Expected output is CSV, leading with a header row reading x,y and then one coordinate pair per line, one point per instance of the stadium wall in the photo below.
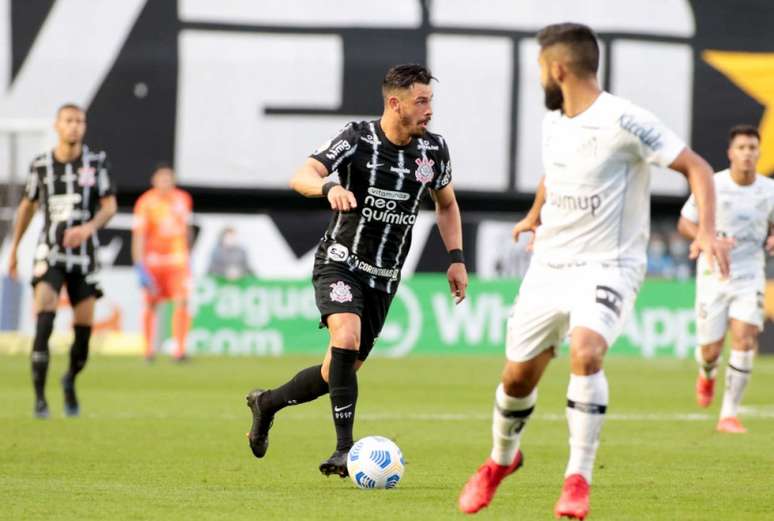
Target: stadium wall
x,y
267,308
238,93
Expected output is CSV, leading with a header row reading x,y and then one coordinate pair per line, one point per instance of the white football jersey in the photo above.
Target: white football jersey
x,y
597,180
743,213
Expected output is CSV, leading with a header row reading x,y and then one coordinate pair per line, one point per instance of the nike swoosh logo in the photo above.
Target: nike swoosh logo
x,y
371,165
339,409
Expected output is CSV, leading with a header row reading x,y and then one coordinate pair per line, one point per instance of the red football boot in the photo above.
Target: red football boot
x,y
480,488
705,391
574,501
731,425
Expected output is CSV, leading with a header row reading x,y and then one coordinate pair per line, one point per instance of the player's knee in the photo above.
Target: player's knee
x,y
345,338
46,301
586,358
745,342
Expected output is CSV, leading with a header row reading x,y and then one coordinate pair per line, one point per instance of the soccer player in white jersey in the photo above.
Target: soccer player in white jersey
x,y
591,217
745,213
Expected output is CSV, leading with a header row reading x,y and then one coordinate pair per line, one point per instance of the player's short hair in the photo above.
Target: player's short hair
x,y
580,41
743,130
161,165
404,76
67,106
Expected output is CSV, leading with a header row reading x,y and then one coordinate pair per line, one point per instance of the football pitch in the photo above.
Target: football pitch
x,y
168,442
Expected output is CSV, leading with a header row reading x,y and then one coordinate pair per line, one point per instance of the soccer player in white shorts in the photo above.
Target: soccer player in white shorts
x,y
591,216
745,213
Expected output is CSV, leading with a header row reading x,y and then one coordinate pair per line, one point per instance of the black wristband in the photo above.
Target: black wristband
x,y
456,256
327,187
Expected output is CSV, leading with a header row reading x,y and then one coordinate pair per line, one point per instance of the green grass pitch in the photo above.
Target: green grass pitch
x,y
168,442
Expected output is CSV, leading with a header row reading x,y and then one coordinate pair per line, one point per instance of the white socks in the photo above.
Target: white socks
x,y
737,375
706,369
508,419
587,398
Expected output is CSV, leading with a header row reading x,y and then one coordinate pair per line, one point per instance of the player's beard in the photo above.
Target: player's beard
x,y
553,97
413,126
417,131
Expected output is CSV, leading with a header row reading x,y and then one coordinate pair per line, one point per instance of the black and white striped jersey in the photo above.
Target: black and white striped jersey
x,y
389,182
68,195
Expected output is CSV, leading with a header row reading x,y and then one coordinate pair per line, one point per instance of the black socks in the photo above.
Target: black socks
x,y
342,381
39,356
306,386
79,352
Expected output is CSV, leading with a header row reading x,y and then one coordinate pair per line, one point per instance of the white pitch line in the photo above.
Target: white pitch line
x,y
758,412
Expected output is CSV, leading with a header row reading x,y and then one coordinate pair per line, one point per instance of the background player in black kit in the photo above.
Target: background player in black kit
x,y
386,167
71,184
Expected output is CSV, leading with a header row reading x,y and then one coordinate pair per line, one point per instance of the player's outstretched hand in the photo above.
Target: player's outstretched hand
x,y
770,244
528,224
458,281
73,237
341,199
715,250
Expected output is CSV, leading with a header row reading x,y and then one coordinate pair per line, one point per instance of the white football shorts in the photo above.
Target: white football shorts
x,y
719,300
555,299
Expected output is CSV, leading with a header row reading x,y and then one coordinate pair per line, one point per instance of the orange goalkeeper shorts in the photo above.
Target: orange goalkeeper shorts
x,y
170,283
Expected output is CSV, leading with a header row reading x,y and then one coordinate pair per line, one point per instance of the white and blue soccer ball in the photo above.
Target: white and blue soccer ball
x,y
375,462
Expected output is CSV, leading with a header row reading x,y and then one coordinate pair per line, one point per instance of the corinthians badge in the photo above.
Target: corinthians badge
x,y
424,171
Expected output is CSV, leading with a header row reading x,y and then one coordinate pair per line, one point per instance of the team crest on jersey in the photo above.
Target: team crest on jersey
x,y
87,176
341,292
424,171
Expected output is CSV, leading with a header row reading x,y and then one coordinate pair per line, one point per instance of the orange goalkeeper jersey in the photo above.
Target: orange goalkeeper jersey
x,y
163,220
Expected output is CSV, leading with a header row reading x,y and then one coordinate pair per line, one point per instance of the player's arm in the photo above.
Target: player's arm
x,y
531,221
450,227
189,224
688,223
310,181
769,245
24,215
138,244
700,178
687,229
74,236
139,230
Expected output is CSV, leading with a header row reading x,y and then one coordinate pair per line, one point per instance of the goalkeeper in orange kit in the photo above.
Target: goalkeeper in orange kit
x,y
160,252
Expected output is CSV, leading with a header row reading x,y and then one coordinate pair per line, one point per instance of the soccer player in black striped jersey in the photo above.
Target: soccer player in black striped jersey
x,y
71,184
385,166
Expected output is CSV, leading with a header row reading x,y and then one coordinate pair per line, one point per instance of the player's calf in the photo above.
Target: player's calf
x,y
509,418
305,386
79,354
738,373
39,359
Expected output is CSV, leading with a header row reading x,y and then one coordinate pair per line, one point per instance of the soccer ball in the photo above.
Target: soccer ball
x,y
375,462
